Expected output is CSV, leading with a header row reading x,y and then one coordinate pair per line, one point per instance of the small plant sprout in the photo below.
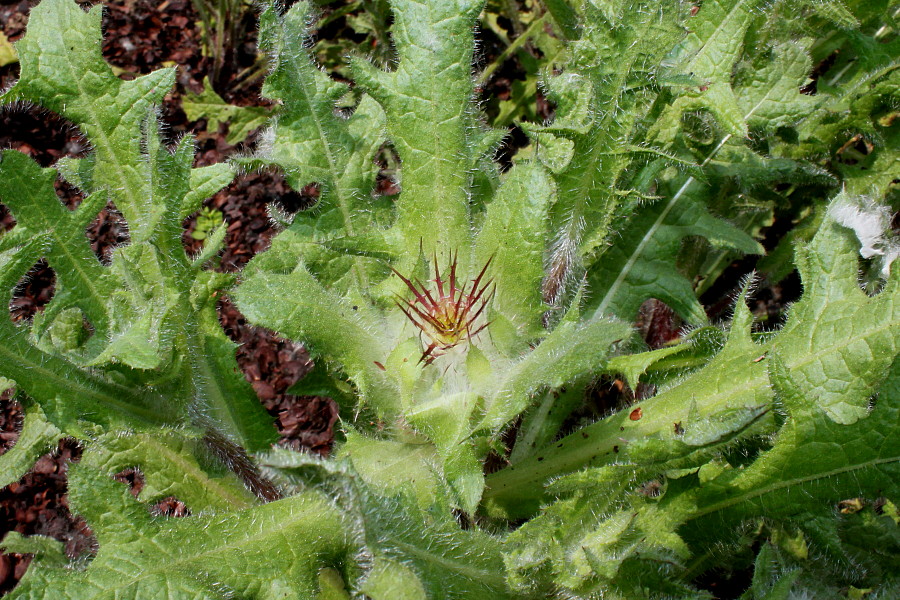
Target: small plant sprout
x,y
448,316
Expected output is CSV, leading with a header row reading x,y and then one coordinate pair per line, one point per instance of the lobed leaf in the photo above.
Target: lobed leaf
x,y
63,70
427,103
209,105
193,557
737,377
37,437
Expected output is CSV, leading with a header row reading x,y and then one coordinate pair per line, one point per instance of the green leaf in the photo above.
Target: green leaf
x,y
708,53
46,549
327,323
224,394
582,541
311,144
38,436
542,423
606,515
447,421
393,468
141,357
8,53
571,350
768,582
172,464
205,181
138,314
814,462
209,105
512,239
319,382
447,561
666,114
193,557
408,544
640,265
599,98
770,95
427,100
838,344
67,394
632,366
392,579
82,280
62,69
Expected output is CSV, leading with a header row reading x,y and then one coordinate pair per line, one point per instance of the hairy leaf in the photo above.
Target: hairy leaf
x,y
193,557
62,69
820,355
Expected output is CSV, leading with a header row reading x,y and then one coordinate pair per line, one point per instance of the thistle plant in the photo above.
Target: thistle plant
x,y
471,314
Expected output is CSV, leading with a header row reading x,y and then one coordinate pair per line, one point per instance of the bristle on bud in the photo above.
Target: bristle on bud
x,y
447,315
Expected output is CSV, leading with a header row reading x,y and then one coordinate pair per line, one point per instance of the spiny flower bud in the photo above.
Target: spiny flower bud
x,y
446,315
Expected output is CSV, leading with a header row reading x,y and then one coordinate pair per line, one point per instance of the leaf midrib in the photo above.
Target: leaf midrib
x,y
782,484
69,381
194,471
181,530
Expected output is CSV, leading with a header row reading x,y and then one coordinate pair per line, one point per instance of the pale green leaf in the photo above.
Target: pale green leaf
x,y
571,350
205,181
38,436
82,280
327,323
447,421
62,69
512,239
209,105
46,549
427,100
393,468
392,580
8,53
171,464
403,539
310,143
193,557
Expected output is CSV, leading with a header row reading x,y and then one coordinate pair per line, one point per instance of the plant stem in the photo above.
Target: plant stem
x,y
518,490
514,47
565,18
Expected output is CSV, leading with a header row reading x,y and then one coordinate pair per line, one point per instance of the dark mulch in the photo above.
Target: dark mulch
x,y
37,505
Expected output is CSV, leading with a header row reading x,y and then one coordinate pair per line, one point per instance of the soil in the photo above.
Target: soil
x,y
140,36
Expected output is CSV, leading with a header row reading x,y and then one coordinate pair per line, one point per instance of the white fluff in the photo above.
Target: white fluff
x,y
871,223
